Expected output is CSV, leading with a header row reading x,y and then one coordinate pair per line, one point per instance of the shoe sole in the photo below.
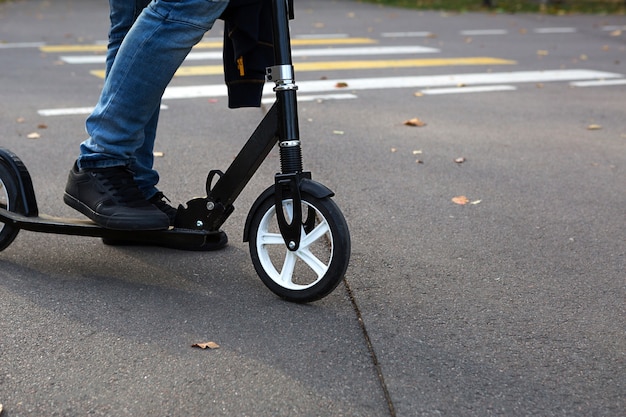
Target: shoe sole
x,y
115,223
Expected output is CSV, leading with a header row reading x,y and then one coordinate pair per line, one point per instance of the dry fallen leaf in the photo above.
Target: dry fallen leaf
x,y
206,345
617,32
341,85
338,132
417,152
20,120
460,160
414,122
158,154
418,94
542,52
476,202
419,161
594,127
42,126
33,135
393,150
461,200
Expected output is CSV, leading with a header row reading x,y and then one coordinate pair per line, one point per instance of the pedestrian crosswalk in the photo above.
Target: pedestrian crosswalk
x,y
334,54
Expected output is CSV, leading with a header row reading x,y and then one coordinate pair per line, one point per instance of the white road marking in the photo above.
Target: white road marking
x,y
70,111
611,28
428,81
480,32
322,36
317,97
17,45
406,34
461,90
555,30
73,111
598,83
78,111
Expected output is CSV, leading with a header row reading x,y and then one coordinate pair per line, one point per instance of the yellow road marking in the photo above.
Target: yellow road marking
x,y
349,65
211,45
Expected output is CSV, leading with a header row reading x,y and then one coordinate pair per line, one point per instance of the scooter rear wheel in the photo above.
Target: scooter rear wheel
x,y
9,200
313,270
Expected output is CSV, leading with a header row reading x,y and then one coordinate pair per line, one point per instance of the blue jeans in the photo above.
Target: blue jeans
x,y
141,61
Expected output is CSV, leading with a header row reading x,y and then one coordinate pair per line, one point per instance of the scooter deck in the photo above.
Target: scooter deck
x,y
176,238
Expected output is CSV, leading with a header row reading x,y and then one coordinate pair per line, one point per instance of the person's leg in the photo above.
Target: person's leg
x,y
123,15
146,61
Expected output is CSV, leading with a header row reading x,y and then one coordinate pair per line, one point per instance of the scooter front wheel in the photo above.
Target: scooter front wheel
x,y
10,201
313,270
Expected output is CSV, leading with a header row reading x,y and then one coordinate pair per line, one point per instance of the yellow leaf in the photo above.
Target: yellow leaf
x,y
594,127
542,52
461,200
158,154
206,345
341,85
414,122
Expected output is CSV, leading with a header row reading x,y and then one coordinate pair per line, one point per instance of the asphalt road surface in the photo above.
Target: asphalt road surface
x,y
511,304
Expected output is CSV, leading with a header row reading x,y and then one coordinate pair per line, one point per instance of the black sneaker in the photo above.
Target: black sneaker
x,y
110,197
162,203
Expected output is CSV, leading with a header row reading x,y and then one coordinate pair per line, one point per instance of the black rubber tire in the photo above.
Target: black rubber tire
x,y
318,266
9,200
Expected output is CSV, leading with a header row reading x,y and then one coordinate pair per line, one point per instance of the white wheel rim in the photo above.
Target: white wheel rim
x,y
4,200
308,263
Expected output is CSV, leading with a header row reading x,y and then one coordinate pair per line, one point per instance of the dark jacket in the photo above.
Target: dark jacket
x,y
248,50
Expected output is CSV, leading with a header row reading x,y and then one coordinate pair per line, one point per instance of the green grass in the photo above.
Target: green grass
x,y
514,6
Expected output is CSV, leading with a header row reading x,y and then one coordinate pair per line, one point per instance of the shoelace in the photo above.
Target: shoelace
x,y
162,203
122,187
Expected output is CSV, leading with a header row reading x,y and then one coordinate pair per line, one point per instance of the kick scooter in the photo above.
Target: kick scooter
x,y
298,238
